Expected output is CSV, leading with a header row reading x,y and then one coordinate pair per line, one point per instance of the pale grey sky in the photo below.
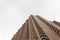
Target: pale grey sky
x,y
13,14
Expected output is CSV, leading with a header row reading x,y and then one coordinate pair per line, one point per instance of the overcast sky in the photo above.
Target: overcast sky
x,y
13,13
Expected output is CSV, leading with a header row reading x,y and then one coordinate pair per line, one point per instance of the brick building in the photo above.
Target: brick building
x,y
38,28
